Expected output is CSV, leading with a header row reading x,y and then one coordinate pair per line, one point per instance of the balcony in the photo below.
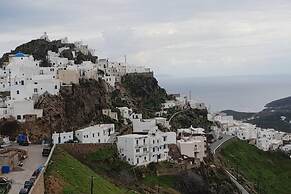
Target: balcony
x,y
141,153
141,145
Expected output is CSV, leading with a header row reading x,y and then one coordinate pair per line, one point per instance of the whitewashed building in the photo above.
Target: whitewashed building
x,y
286,148
191,131
137,69
193,146
60,138
125,112
197,105
110,114
169,104
143,125
140,150
95,134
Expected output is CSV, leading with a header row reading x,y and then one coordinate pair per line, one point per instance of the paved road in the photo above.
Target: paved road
x,y
238,185
214,146
33,161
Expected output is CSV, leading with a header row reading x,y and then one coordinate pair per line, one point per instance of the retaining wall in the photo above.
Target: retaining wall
x,y
38,187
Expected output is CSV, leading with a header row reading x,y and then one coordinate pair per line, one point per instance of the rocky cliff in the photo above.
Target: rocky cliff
x,y
142,92
74,107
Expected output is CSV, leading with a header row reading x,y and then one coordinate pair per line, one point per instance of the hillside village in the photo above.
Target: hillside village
x,y
25,81
263,139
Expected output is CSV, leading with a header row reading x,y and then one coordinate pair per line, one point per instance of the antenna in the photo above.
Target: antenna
x,y
125,60
190,95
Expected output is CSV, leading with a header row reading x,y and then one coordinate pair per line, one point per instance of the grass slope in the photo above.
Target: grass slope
x,y
273,170
76,176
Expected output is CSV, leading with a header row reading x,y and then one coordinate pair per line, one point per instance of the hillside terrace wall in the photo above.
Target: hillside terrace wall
x,y
80,151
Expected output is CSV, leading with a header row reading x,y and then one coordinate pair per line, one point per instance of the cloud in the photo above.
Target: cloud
x,y
177,38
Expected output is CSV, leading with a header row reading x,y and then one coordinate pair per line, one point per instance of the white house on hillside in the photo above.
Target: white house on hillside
x,y
193,146
140,150
60,138
95,134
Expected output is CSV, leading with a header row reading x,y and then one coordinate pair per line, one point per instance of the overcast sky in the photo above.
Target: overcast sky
x,y
174,37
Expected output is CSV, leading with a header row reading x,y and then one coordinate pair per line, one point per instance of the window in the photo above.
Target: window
x,y
98,140
16,83
143,141
35,82
35,90
22,82
18,117
137,150
56,87
145,149
137,142
98,134
137,160
154,150
93,134
17,92
165,138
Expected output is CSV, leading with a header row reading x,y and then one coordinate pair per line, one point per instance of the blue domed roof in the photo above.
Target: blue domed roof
x,y
19,54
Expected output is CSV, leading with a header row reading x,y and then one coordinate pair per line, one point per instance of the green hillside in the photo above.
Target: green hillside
x,y
269,172
74,177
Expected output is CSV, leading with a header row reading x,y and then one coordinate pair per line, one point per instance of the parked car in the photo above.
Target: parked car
x,y
46,150
28,185
4,179
5,184
24,191
32,179
22,139
20,163
36,172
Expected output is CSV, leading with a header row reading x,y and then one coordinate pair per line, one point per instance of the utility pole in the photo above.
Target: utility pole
x,y
92,184
237,171
258,185
51,130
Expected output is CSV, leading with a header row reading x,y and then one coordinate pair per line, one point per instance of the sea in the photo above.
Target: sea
x,y
240,93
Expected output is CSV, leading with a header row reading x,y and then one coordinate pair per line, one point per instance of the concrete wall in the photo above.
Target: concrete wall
x,y
38,187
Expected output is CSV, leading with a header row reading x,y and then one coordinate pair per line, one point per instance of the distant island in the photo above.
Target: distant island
x,y
277,115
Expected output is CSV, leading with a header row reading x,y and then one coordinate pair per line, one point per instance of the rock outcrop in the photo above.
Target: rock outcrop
x,y
75,107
